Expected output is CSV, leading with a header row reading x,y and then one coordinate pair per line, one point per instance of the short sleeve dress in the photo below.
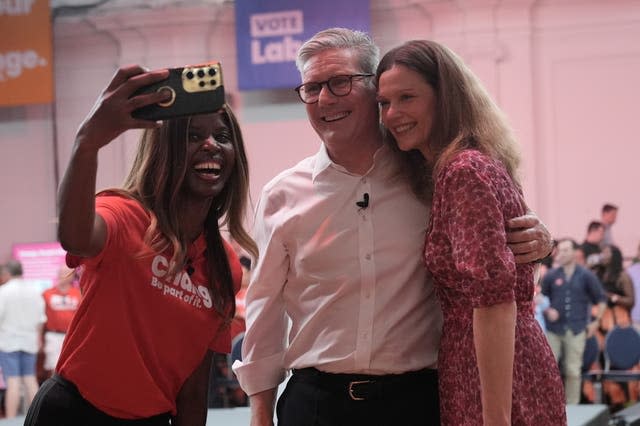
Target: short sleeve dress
x,y
467,255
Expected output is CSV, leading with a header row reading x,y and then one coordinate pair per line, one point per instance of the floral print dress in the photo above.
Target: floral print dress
x,y
467,255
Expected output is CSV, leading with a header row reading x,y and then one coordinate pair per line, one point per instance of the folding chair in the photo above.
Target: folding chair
x,y
591,354
621,355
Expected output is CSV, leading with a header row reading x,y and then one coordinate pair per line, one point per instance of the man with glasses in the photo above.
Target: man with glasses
x,y
338,85
341,239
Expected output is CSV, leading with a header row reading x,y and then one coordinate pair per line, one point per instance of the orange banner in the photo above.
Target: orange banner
x,y
26,68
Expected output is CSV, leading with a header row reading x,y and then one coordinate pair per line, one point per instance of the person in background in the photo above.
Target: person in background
x,y
579,256
609,215
618,288
21,319
572,289
591,247
634,273
159,281
540,305
495,366
340,237
636,258
61,302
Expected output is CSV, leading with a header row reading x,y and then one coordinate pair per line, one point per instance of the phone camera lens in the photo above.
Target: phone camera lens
x,y
212,82
212,72
190,75
200,73
201,83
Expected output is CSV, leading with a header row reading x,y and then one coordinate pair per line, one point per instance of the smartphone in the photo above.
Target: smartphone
x,y
195,89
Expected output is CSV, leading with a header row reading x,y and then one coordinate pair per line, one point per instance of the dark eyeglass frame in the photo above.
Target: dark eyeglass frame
x,y
329,83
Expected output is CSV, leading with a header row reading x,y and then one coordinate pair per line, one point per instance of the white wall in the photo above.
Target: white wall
x,y
565,71
587,87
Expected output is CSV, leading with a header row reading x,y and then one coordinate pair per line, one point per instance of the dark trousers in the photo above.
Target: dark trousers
x,y
314,398
58,402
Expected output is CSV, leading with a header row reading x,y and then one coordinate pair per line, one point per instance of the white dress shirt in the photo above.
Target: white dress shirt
x,y
351,280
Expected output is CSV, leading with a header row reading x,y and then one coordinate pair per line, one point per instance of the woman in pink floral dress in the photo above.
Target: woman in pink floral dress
x,y
495,366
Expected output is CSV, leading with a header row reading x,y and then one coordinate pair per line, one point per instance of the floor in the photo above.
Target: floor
x,y
578,415
222,416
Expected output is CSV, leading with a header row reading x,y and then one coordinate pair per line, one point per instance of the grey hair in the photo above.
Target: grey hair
x,y
341,38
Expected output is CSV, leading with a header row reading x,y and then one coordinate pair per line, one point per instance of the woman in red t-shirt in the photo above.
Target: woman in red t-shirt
x,y
159,281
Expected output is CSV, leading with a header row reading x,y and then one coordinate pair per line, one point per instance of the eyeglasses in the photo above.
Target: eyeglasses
x,y
338,85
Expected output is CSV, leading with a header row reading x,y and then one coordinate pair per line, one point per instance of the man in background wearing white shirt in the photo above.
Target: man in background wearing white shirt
x,y
21,319
341,240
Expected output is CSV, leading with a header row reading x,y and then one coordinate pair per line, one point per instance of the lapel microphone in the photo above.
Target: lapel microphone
x,y
365,201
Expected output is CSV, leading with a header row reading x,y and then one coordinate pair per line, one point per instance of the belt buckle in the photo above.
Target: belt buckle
x,y
351,389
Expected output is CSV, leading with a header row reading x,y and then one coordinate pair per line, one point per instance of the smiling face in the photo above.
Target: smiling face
x,y
341,120
210,155
407,108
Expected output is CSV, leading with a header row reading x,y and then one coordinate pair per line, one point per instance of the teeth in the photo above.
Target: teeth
x,y
210,165
403,128
335,117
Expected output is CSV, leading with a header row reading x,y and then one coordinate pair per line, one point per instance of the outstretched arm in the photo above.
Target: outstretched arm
x,y
528,238
80,231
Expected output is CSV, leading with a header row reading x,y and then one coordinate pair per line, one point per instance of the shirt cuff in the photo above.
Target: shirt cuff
x,y
258,376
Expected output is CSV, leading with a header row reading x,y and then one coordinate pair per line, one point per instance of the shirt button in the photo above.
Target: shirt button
x,y
367,256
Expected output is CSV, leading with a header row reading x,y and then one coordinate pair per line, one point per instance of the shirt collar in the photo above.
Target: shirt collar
x,y
383,156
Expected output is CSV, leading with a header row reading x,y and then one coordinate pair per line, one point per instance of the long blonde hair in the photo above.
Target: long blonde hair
x,y
466,116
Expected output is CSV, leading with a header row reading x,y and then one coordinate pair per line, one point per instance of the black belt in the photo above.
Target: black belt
x,y
360,387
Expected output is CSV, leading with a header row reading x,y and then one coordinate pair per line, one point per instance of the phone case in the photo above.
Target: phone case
x,y
196,89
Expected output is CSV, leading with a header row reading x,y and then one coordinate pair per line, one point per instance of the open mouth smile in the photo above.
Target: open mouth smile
x,y
403,128
209,170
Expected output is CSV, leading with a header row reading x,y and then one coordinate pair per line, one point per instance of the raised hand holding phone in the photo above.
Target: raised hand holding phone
x,y
111,114
190,90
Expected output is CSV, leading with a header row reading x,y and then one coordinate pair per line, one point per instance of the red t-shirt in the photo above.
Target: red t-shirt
x,y
137,335
60,307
